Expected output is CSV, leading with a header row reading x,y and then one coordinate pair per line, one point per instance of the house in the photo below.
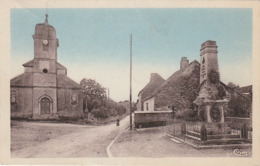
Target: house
x,y
155,81
178,91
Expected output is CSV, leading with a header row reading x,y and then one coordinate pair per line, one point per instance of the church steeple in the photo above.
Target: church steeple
x,y
45,48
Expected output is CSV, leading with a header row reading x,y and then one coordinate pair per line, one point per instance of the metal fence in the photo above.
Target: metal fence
x,y
181,128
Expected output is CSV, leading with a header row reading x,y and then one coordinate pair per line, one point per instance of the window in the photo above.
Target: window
x,y
74,98
13,96
45,71
147,108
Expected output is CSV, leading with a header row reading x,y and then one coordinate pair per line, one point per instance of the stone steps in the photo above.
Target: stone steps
x,y
224,141
210,137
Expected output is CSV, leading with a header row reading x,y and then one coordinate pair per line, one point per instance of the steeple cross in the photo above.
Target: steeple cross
x,y
46,15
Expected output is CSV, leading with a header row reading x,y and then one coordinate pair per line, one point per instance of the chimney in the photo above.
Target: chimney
x,y
153,75
184,63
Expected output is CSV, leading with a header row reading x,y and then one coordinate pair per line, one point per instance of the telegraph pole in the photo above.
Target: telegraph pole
x,y
130,82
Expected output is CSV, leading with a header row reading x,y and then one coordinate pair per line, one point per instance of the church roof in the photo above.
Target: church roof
x,y
22,80
59,66
28,64
66,82
25,80
31,63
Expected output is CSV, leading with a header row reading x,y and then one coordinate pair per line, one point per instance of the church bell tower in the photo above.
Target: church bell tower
x,y
45,69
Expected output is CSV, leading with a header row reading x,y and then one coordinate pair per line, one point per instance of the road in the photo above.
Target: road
x,y
86,142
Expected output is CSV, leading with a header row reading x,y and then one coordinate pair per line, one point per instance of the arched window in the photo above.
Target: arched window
x,y
74,98
13,97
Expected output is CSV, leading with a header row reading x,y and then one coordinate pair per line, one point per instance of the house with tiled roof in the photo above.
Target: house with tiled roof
x,y
155,81
178,91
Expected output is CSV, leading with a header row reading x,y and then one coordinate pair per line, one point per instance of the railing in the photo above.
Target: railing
x,y
203,131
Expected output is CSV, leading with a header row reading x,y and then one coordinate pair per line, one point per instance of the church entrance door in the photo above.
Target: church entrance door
x,y
45,106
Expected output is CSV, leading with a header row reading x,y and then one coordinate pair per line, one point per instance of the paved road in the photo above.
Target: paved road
x,y
90,142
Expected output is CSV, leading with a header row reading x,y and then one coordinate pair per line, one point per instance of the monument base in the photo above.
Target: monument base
x,y
215,111
213,128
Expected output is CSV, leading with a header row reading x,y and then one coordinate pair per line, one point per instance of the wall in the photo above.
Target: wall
x,y
139,104
65,106
153,118
150,103
23,106
40,92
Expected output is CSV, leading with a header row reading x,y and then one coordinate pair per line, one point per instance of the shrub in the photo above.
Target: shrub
x,y
100,113
187,114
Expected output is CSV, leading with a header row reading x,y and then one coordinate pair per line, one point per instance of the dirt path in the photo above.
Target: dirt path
x,y
85,142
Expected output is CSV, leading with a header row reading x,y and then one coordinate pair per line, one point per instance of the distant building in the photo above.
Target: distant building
x,y
240,104
246,91
44,90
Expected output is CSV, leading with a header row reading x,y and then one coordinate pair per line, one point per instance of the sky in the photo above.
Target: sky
x,y
95,43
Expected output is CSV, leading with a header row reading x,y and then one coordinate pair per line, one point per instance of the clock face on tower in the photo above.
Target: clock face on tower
x,y
45,42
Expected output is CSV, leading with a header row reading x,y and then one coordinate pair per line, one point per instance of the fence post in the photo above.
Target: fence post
x,y
183,130
244,131
173,129
203,132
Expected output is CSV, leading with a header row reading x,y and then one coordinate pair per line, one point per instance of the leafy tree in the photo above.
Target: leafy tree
x,y
94,93
97,103
232,85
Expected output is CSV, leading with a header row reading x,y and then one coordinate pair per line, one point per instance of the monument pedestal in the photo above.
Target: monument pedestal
x,y
214,110
215,117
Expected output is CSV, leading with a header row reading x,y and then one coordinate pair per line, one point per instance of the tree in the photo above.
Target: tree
x,y
94,93
232,85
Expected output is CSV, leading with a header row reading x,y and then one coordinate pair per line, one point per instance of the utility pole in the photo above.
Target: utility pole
x,y
130,82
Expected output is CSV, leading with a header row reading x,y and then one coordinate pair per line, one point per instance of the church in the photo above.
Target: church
x,y
44,91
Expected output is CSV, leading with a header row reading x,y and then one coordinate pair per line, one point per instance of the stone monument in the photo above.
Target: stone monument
x,y
212,94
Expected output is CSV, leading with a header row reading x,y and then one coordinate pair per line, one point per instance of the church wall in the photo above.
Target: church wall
x,y
22,108
40,92
41,64
44,80
70,103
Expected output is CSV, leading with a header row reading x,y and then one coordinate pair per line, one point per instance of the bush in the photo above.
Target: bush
x,y
100,113
187,114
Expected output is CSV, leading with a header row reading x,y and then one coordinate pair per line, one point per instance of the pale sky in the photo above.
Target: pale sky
x,y
94,43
